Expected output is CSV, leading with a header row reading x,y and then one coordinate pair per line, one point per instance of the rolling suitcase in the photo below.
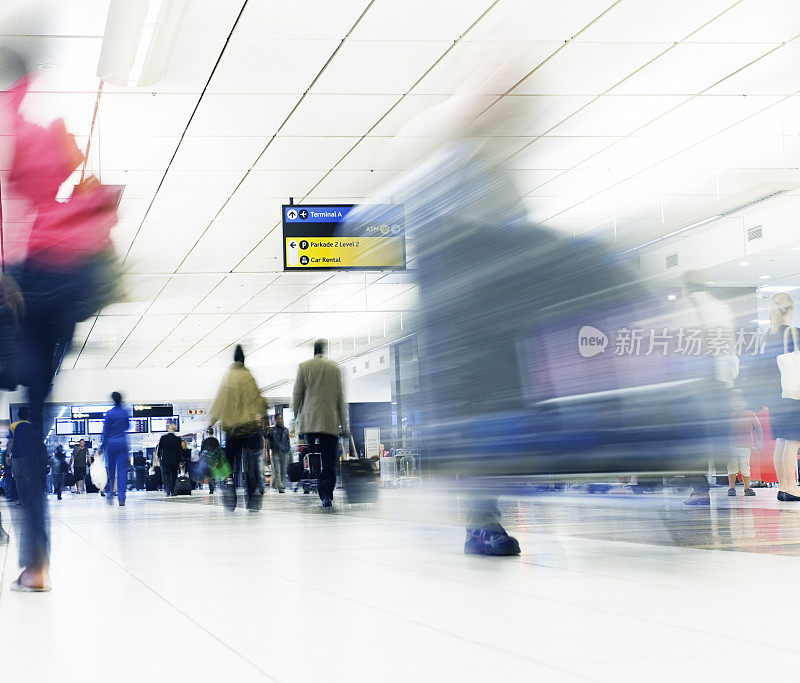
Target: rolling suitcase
x,y
152,482
183,486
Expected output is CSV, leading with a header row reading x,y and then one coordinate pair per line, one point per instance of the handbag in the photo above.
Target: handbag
x,y
789,366
98,473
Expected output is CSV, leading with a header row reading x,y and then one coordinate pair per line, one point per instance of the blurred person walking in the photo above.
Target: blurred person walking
x,y
239,406
762,383
79,461
322,413
61,273
59,470
168,453
746,435
208,448
278,448
115,447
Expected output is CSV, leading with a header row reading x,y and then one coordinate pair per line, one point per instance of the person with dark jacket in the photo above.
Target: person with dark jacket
x,y
115,446
322,413
168,454
59,470
140,468
79,462
209,445
278,447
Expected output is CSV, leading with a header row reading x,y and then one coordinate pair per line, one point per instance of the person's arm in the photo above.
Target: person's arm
x,y
344,413
759,433
299,393
105,437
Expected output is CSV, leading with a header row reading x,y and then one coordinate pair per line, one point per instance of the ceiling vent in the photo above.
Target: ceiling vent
x,y
754,233
672,260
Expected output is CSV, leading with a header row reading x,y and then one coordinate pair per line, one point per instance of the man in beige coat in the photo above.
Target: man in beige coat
x,y
239,406
321,413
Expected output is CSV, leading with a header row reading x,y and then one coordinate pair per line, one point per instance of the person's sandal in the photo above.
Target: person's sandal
x,y
731,491
749,492
22,588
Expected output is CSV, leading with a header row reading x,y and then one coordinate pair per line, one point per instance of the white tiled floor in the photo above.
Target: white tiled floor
x,y
177,590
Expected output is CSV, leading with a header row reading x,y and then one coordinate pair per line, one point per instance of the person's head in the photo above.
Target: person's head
x,y
320,347
184,446
59,448
82,443
117,398
210,431
695,281
781,310
23,413
171,428
279,420
238,354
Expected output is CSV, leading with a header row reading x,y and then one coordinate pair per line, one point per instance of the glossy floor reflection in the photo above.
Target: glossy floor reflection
x,y
178,589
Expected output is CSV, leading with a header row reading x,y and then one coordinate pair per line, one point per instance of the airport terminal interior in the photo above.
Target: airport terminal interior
x,y
399,340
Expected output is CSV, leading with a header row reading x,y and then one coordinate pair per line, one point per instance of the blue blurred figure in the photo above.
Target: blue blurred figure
x,y
115,447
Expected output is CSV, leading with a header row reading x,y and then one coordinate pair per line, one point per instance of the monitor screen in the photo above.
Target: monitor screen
x,y
90,412
95,426
139,425
67,427
161,424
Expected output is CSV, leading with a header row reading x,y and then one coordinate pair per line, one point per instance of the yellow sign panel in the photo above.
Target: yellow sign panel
x,y
345,252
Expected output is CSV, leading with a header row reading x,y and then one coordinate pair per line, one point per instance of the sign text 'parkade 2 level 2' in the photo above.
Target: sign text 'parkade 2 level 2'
x,y
344,237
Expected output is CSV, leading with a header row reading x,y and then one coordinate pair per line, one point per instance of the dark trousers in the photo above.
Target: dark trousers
x,y
117,466
327,446
34,543
244,454
140,471
58,479
169,471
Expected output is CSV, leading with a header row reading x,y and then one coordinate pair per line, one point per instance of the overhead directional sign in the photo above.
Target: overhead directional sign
x,y
326,237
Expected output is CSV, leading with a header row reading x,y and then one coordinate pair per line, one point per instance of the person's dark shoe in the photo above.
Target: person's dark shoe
x,y
698,499
281,490
490,540
787,497
122,503
749,492
327,503
781,495
731,491
58,497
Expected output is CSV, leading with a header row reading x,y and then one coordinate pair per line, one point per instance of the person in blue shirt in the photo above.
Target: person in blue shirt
x,y
115,447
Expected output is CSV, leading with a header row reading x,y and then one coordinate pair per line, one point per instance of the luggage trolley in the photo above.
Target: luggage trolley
x,y
307,475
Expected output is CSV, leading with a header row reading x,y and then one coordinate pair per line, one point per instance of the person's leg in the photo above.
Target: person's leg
x,y
279,473
790,467
34,545
111,464
327,475
121,458
485,534
777,461
733,470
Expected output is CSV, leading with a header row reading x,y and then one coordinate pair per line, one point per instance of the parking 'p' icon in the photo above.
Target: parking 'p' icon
x,y
304,244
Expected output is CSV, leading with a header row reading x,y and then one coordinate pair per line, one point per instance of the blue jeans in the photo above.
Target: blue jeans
x,y
117,465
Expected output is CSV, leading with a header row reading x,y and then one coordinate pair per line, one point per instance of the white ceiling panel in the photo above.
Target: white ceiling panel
x,y
218,153
210,18
307,19
153,257
537,114
618,115
253,208
72,62
585,182
775,74
419,19
278,184
468,59
643,20
558,152
55,17
253,114
566,73
236,231
138,184
75,108
635,153
345,183
707,114
133,153
181,183
177,232
143,114
691,68
337,115
303,154
513,20
276,66
407,109
194,209
379,67
769,21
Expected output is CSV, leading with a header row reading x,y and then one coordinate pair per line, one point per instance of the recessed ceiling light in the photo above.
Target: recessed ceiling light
x,y
709,282
671,297
744,263
45,66
763,277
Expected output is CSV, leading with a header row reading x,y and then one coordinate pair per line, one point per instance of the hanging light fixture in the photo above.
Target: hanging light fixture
x,y
139,40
